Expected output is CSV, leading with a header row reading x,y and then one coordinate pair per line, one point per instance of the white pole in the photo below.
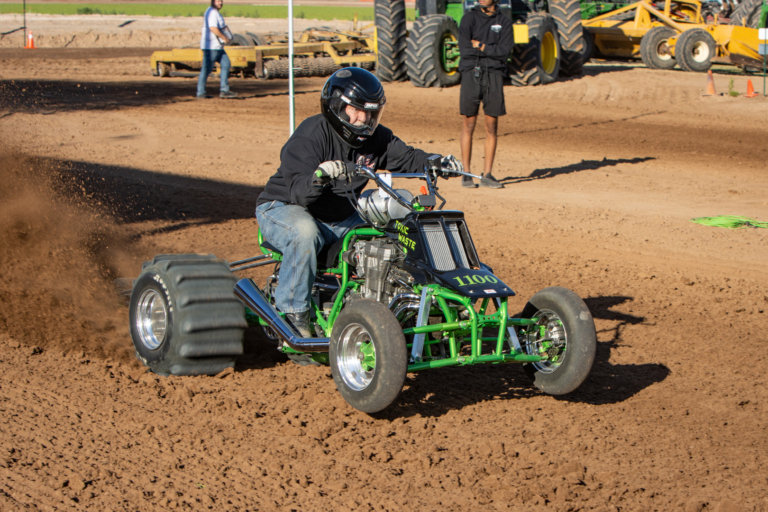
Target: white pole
x,y
291,112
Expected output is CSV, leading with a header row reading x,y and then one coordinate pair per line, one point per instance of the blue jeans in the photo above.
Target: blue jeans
x,y
299,237
210,57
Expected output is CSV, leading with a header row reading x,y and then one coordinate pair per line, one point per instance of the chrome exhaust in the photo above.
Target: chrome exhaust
x,y
252,297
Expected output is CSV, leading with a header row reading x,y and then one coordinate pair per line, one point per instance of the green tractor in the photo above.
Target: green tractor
x,y
549,41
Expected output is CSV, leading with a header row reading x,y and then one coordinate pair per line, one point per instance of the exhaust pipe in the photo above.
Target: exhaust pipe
x,y
252,297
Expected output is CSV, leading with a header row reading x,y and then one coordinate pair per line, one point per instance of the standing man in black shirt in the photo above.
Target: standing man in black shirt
x,y
305,205
485,40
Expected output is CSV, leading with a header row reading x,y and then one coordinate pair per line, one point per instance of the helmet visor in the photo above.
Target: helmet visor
x,y
362,119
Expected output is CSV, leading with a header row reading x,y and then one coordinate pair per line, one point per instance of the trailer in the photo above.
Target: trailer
x,y
317,52
676,33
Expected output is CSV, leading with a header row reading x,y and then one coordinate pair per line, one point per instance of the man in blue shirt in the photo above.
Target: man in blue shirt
x,y
215,34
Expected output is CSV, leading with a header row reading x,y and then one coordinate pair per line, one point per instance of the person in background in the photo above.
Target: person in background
x,y
215,34
485,40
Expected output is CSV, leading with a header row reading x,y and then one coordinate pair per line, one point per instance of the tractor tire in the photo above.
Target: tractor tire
x,y
567,15
185,318
566,332
432,52
694,50
655,51
538,61
368,355
391,34
241,40
255,39
747,14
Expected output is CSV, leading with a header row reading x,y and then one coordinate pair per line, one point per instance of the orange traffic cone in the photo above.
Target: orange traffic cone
x,y
710,84
30,42
750,89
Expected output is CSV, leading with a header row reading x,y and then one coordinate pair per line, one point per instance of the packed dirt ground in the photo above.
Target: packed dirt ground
x,y
104,166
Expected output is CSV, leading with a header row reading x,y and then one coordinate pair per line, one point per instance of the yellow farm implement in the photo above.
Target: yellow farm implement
x,y
675,33
317,52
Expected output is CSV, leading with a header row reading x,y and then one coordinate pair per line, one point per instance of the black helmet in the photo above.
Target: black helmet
x,y
360,89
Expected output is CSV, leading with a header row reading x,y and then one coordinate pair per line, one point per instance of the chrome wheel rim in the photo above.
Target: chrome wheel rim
x,y
152,319
356,358
546,337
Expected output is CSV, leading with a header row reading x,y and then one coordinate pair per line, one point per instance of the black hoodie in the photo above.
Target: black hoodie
x,y
494,31
315,141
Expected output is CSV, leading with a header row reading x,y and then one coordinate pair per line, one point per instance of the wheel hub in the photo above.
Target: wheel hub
x,y
152,319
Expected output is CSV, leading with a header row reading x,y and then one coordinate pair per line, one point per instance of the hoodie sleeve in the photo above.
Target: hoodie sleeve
x,y
299,159
500,50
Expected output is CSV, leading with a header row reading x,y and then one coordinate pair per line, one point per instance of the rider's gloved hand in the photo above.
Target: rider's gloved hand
x,y
332,170
450,166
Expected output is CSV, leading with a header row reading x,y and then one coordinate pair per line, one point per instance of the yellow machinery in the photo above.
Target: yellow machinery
x,y
676,33
317,52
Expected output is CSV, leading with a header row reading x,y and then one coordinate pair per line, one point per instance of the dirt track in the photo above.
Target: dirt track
x,y
105,166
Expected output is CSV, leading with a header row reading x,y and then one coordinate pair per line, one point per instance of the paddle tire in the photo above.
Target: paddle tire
x,y
655,50
538,61
567,16
389,17
695,49
432,52
368,355
185,318
565,332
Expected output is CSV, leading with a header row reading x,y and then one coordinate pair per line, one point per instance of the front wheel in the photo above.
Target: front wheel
x,y
565,332
655,50
368,355
432,52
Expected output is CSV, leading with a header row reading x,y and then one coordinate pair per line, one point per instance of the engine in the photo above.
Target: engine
x,y
377,262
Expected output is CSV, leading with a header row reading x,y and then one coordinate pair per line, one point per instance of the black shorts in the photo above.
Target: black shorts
x,y
488,88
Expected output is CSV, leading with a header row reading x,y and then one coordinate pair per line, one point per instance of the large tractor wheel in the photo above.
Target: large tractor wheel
x,y
565,332
390,39
747,14
695,49
432,54
538,61
368,355
185,318
655,51
567,15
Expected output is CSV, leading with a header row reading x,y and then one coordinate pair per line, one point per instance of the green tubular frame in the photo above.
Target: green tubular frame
x,y
445,302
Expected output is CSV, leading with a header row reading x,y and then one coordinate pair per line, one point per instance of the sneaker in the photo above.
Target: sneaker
x,y
489,181
202,96
300,321
228,94
466,181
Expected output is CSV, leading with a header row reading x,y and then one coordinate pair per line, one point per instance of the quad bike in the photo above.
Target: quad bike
x,y
405,292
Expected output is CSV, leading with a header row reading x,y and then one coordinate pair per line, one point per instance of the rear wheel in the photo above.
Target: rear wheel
x,y
567,16
538,61
368,355
185,318
695,49
432,54
390,40
565,332
655,50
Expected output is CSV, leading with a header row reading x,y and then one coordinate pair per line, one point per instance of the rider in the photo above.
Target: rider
x,y
306,204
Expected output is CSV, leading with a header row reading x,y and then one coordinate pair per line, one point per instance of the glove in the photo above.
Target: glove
x,y
450,165
333,169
